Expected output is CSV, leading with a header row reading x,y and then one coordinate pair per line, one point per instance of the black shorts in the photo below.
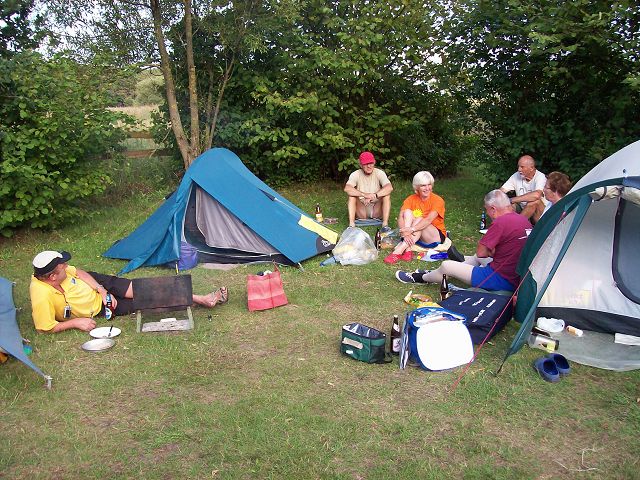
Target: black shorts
x,y
117,287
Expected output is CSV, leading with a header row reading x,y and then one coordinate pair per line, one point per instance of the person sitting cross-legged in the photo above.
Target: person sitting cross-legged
x,y
65,297
493,267
421,219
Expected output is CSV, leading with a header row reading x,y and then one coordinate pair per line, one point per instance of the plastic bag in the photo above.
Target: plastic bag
x,y
391,239
355,248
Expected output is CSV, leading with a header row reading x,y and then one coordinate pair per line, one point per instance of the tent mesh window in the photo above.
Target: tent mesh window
x,y
626,261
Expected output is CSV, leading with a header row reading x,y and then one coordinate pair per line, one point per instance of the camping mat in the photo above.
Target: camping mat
x,y
598,350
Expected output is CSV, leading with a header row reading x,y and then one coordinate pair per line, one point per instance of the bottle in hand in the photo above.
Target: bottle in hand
x,y
395,336
444,288
319,217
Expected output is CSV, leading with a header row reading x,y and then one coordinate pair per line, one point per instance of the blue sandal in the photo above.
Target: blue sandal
x,y
547,369
562,364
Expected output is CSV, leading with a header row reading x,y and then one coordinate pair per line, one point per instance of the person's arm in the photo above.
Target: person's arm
x,y
93,284
509,185
527,197
423,223
84,324
353,191
482,251
384,191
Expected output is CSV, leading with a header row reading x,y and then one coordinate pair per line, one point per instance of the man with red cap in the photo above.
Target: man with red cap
x,y
369,192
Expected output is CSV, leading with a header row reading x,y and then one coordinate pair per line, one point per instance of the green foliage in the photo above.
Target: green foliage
x,y
330,80
149,89
553,79
55,135
20,28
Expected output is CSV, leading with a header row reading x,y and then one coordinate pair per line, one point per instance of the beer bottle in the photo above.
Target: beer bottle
x,y
319,217
483,220
378,239
444,288
395,336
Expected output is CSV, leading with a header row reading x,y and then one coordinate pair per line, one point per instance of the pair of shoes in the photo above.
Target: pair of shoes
x,y
407,256
547,369
562,364
411,277
391,259
384,230
552,367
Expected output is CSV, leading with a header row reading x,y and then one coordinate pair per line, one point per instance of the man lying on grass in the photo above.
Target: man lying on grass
x,y
64,297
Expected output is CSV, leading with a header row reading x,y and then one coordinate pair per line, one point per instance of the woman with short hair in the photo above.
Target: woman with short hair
x,y
421,219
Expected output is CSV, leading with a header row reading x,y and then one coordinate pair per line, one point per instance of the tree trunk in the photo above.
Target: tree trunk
x,y
225,80
196,148
170,88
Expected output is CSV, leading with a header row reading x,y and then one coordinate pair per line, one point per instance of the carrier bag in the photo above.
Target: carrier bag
x,y
437,338
364,343
265,291
482,309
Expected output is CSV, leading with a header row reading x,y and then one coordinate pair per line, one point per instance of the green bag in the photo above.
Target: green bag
x,y
364,343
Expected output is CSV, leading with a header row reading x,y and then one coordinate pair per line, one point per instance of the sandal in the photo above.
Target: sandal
x,y
223,293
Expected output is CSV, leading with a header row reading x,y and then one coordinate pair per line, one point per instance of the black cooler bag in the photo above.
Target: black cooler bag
x,y
481,309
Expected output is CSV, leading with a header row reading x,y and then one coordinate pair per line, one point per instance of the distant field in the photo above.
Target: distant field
x,y
142,113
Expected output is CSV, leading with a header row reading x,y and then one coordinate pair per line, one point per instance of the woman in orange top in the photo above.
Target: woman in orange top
x,y
421,218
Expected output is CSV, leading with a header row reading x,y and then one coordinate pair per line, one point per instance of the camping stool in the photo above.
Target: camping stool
x,y
163,294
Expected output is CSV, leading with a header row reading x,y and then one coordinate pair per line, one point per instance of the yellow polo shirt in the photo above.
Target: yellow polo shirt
x,y
47,303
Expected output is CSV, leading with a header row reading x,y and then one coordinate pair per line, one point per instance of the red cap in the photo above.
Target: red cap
x,y
366,158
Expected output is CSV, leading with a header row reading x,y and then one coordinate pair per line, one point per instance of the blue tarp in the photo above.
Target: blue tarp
x,y
221,174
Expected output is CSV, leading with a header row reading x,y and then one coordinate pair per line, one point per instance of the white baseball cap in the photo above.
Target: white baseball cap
x,y
46,261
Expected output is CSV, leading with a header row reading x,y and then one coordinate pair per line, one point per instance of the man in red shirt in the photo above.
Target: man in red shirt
x,y
493,267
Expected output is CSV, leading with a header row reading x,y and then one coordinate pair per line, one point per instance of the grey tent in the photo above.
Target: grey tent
x,y
10,338
581,264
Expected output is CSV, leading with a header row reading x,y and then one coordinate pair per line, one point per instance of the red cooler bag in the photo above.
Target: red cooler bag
x,y
265,291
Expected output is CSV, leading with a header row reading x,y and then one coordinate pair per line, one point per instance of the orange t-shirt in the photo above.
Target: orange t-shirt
x,y
422,208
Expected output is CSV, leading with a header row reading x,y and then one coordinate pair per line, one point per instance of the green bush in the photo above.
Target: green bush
x,y
56,133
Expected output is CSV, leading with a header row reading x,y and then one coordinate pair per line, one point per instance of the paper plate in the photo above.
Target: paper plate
x,y
444,345
551,325
98,344
103,332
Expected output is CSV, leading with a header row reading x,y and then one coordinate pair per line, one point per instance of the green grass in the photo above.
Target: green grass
x,y
268,395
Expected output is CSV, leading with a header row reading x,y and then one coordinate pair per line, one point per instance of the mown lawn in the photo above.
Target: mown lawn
x,y
268,395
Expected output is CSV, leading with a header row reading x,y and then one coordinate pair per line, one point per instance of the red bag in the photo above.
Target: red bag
x,y
265,291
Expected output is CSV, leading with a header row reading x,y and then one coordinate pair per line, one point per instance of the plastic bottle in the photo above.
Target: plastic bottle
x,y
395,336
377,240
319,216
543,342
576,332
329,261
